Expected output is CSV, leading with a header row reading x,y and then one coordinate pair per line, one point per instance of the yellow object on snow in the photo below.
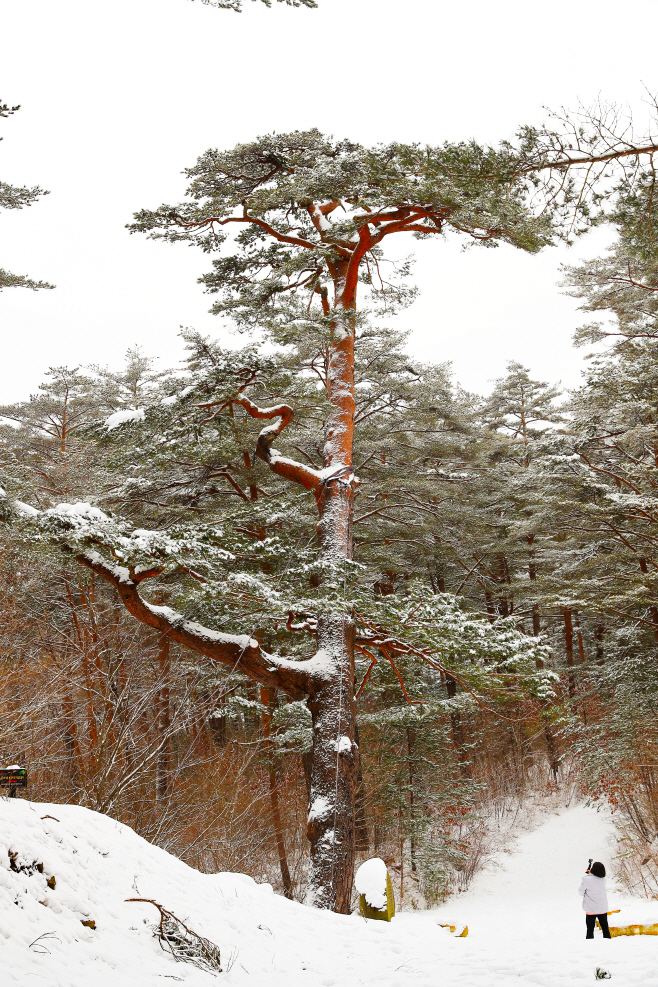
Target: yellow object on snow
x,y
382,914
633,930
463,929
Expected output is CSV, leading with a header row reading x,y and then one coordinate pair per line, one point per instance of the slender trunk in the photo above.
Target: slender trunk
x,y
532,573
335,768
251,696
549,736
551,747
505,605
218,722
654,609
71,744
411,742
268,699
599,632
163,724
536,625
360,818
491,610
378,836
568,643
457,730
579,637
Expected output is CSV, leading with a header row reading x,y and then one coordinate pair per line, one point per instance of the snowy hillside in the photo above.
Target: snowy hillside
x,y
524,917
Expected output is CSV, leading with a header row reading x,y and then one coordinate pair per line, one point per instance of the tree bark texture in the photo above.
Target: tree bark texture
x,y
334,773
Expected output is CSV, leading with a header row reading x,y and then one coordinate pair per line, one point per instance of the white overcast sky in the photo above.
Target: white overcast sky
x,y
118,97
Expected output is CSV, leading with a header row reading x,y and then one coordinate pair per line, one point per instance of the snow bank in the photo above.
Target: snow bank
x,y
525,922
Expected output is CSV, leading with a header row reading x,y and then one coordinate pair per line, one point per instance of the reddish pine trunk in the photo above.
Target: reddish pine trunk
x,y
335,754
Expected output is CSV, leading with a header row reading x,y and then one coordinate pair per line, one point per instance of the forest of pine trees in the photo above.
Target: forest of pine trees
x,y
503,586
297,602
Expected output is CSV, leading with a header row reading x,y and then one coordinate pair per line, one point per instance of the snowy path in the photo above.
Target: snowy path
x,y
526,926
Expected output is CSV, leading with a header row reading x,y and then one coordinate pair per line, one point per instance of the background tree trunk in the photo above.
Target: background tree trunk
x,y
457,729
568,642
268,699
360,818
163,724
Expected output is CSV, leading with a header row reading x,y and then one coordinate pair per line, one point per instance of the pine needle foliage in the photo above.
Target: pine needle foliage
x,y
17,197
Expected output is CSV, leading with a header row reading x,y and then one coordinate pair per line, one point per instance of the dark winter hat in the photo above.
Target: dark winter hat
x,y
597,869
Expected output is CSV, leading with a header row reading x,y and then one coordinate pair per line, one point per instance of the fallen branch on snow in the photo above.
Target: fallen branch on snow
x,y
184,945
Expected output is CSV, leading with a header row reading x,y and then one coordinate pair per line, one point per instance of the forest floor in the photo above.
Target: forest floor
x,y
524,917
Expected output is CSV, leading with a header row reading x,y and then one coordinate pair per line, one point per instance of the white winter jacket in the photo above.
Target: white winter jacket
x,y
595,897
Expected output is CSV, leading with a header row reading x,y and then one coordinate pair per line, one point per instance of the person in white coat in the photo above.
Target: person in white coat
x,y
595,899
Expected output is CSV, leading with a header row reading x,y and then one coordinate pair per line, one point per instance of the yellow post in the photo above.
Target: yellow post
x,y
381,914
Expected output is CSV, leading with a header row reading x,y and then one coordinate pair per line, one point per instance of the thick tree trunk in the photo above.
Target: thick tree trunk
x,y
335,754
335,766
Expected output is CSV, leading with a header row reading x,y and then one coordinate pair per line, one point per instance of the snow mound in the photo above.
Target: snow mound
x,y
65,875
66,872
370,881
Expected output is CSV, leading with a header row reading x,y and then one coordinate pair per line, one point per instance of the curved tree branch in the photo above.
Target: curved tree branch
x,y
240,652
289,469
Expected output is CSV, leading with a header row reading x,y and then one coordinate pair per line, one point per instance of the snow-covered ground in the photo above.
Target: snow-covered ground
x,y
524,917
